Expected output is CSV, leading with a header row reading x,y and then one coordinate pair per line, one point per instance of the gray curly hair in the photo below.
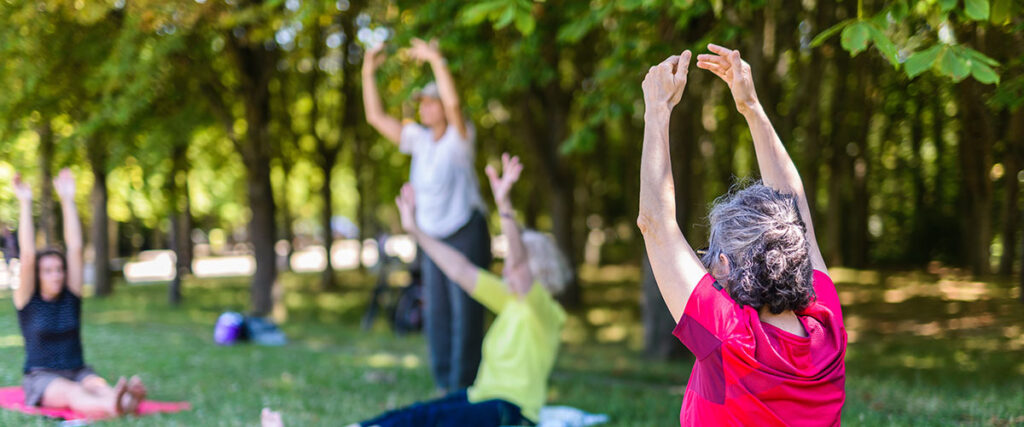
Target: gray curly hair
x,y
548,264
760,232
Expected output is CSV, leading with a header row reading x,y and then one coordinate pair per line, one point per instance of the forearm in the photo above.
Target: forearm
x,y
26,231
371,97
445,83
452,263
388,126
657,189
777,169
510,228
72,226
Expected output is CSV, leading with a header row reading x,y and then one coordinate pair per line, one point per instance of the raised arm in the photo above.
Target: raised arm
x,y
777,169
676,267
27,242
517,265
388,126
430,53
452,263
64,184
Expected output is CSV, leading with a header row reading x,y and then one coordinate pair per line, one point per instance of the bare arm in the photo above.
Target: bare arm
x,y
27,243
388,126
452,263
65,186
674,263
517,271
445,83
777,169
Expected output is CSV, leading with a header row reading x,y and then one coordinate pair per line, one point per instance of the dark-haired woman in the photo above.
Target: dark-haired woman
x,y
48,300
759,312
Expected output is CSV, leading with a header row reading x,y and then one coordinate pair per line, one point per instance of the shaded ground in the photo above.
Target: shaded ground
x,y
923,351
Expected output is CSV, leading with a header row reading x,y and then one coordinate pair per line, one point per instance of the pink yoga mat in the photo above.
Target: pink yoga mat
x,y
13,398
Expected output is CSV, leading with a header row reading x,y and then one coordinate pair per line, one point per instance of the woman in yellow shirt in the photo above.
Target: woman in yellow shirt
x,y
521,345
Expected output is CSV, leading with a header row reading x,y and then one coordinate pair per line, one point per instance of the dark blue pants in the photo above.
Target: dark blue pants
x,y
452,410
454,320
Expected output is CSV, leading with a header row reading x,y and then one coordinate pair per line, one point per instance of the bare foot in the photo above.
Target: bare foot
x,y
137,390
120,393
270,418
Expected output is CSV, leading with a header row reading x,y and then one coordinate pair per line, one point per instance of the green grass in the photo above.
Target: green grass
x,y
923,351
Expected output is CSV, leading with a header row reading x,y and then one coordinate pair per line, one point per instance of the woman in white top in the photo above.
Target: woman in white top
x,y
449,208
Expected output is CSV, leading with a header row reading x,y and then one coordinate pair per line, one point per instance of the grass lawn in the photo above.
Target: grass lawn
x,y
924,350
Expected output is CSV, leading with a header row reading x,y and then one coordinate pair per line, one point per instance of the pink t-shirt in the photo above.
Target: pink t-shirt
x,y
752,373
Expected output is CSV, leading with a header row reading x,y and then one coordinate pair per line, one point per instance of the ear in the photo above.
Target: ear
x,y
723,261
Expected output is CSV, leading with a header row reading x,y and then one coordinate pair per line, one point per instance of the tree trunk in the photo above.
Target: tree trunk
x,y
975,148
100,233
326,159
838,161
1011,212
180,241
47,208
256,65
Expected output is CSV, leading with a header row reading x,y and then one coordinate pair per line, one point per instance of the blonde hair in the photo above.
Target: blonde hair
x,y
548,264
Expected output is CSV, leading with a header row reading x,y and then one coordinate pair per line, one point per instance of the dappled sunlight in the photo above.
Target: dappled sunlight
x,y
228,266
11,341
609,274
151,266
392,360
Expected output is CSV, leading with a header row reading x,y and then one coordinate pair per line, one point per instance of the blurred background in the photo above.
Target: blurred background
x,y
226,138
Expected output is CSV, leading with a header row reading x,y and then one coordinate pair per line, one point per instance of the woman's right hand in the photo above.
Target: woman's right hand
x,y
373,58
501,185
64,185
21,189
727,64
406,202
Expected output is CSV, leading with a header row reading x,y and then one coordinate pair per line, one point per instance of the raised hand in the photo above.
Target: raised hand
x,y
663,86
406,202
373,58
424,51
727,64
64,185
501,185
21,189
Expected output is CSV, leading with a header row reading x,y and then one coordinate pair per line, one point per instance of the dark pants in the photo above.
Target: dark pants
x,y
454,321
452,410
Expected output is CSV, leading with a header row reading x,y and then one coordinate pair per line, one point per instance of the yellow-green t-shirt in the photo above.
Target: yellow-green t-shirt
x,y
519,349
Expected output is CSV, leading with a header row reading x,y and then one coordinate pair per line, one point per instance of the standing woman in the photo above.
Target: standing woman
x,y
759,311
449,208
49,304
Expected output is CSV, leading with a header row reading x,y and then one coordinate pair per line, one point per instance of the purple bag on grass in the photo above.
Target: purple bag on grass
x,y
229,328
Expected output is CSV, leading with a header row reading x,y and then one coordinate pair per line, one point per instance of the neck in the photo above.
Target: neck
x,y
786,321
438,130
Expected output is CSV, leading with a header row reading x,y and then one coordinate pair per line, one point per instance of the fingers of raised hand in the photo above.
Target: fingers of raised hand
x,y
719,49
683,65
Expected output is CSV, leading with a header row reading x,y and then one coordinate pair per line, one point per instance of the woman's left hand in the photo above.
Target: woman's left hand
x,y
425,51
501,185
64,185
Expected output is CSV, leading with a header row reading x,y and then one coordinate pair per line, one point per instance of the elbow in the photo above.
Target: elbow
x,y
652,222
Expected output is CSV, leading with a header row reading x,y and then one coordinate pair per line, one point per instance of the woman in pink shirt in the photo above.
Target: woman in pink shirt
x,y
759,311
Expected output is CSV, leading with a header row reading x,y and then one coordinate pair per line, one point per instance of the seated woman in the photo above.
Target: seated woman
x,y
48,300
765,324
520,348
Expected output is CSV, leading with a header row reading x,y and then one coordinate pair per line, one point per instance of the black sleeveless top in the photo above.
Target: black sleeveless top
x,y
52,332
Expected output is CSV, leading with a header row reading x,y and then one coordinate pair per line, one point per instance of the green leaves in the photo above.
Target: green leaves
x,y
976,9
921,61
855,37
501,13
947,57
956,62
827,34
882,42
